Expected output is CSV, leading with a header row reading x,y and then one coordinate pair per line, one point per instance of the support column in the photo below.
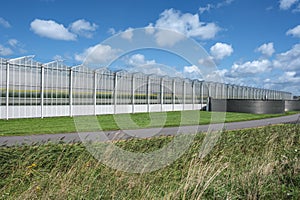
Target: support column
x,y
161,93
202,88
173,95
95,92
132,92
183,95
193,95
115,92
148,93
42,90
7,89
71,92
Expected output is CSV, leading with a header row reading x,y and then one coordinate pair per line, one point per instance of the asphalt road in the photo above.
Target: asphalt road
x,y
140,133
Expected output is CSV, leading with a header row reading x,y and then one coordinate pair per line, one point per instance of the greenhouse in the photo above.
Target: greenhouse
x,y
33,89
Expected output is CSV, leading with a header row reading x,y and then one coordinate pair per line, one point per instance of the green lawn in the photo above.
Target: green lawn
x,y
123,121
262,163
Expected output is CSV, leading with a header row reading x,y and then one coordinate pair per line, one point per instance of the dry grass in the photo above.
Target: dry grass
x,y
249,164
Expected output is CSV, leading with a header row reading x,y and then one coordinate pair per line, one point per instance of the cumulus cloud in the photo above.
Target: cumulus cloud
x,y
51,29
98,55
127,34
4,23
295,32
5,51
250,68
149,29
139,60
286,4
266,49
221,50
182,24
289,60
83,28
187,24
139,63
192,69
168,38
207,62
218,76
192,72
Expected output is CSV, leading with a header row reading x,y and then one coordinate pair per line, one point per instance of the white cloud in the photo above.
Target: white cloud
x,y
289,60
206,8
51,29
168,38
150,29
192,72
250,68
5,51
98,55
209,7
289,77
266,49
207,62
112,31
286,4
83,28
139,60
58,58
221,50
217,76
192,69
139,63
4,23
187,24
13,42
127,34
295,32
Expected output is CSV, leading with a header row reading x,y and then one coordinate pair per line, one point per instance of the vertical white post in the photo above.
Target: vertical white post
x,y
95,92
193,95
228,92
71,92
132,92
115,92
148,93
216,90
183,95
161,93
202,87
42,90
7,89
173,95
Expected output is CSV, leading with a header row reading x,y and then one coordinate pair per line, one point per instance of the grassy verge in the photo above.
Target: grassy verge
x,y
259,163
121,121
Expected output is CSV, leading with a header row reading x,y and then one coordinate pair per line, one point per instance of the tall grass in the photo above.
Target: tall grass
x,y
259,163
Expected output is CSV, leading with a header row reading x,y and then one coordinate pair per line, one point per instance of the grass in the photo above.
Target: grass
x,y
121,121
262,163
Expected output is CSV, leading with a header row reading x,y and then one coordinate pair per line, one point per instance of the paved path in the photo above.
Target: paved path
x,y
140,133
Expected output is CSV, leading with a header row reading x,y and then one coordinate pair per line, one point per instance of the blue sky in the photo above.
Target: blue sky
x,y
254,43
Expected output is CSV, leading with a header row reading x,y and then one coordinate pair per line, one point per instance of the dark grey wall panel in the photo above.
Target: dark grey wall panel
x,y
248,106
292,105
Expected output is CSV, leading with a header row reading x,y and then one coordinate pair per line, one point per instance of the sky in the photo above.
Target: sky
x,y
252,43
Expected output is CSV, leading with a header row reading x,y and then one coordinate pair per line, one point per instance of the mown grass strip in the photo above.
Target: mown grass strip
x,y
121,121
